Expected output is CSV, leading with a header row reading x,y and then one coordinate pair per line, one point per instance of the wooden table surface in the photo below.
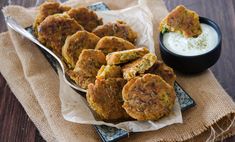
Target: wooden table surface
x,y
16,126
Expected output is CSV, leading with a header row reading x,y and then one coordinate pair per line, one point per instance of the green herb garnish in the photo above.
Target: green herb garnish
x,y
164,30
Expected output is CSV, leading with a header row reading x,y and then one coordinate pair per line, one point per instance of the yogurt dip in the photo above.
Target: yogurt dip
x,y
205,42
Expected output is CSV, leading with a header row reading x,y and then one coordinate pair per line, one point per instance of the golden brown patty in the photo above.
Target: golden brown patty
x,y
87,66
138,66
120,57
109,71
182,20
54,30
105,98
80,78
167,73
46,9
118,29
148,97
74,45
110,44
85,17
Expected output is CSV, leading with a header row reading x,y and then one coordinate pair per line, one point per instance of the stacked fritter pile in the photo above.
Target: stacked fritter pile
x,y
123,81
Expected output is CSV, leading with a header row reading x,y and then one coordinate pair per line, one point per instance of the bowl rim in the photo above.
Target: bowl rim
x,y
209,22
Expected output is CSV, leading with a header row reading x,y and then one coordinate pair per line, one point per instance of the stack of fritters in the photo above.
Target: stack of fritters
x,y
147,95
46,9
87,66
105,60
55,22
54,30
75,44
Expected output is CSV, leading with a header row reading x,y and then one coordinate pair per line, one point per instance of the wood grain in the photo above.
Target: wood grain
x,y
15,125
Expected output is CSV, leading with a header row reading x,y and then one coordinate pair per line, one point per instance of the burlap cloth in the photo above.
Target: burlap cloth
x,y
36,86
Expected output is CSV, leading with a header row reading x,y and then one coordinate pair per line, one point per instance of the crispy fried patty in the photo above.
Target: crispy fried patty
x,y
118,29
138,66
105,98
46,9
74,45
148,97
87,66
182,20
125,56
85,17
109,71
54,30
161,69
109,44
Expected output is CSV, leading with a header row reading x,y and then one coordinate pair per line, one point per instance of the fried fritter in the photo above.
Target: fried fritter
x,y
140,65
109,71
74,45
161,69
148,97
120,57
46,9
85,17
87,66
110,44
105,98
182,20
53,31
118,29
80,78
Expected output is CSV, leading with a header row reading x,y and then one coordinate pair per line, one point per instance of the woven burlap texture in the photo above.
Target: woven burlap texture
x,y
36,86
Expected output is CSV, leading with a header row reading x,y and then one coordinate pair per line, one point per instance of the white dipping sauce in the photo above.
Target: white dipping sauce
x,y
205,42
